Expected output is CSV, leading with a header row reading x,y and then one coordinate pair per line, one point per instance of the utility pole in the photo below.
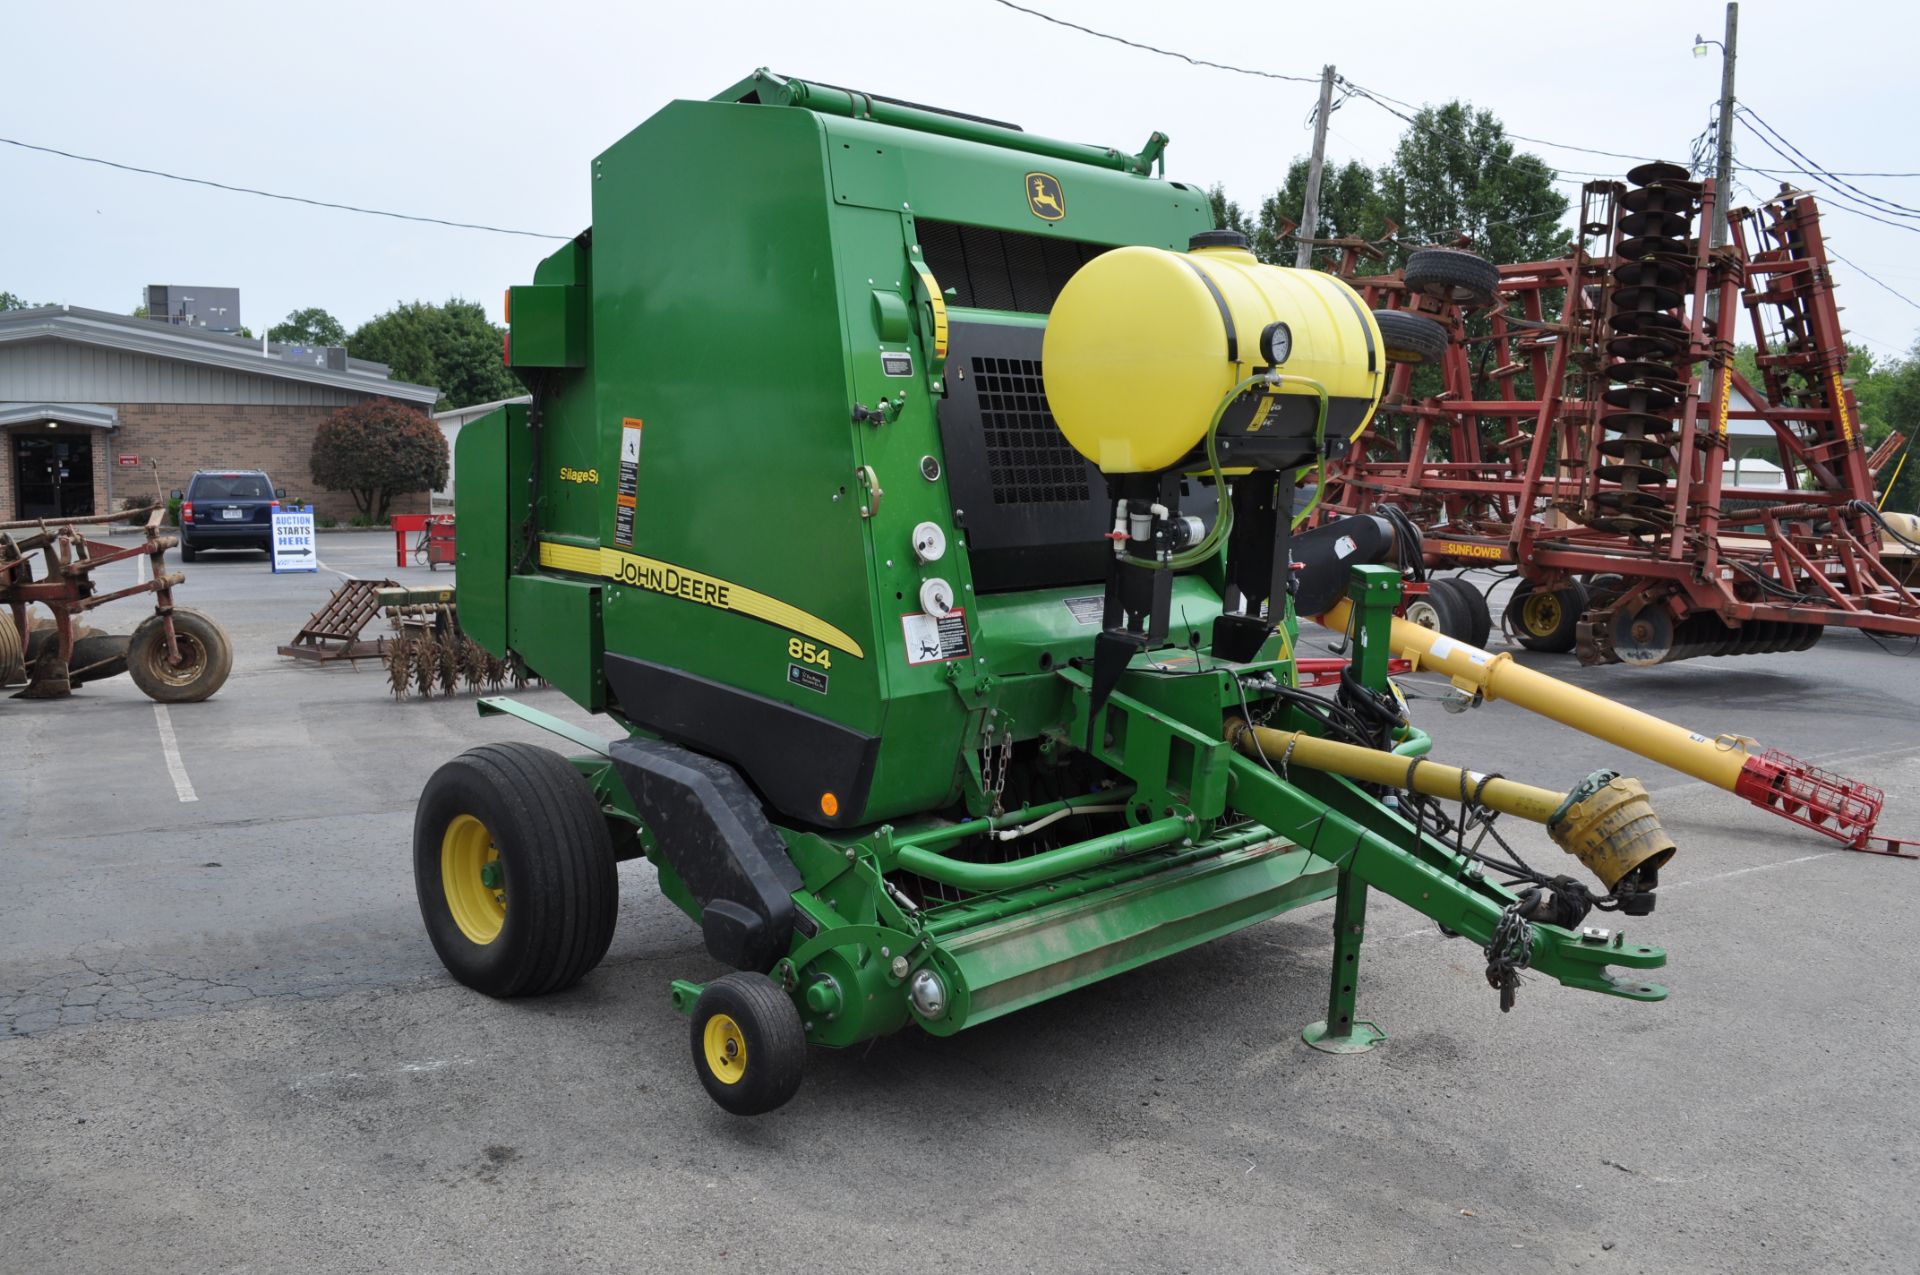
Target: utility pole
x,y
1310,215
1723,173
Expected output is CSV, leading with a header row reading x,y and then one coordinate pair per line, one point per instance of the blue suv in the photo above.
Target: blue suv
x,y
227,509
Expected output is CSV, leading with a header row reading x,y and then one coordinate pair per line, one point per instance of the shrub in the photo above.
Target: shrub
x,y
377,450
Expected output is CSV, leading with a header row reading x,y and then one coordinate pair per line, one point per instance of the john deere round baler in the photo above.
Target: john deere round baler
x,y
917,493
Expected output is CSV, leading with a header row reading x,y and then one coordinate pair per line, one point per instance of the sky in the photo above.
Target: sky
x,y
492,112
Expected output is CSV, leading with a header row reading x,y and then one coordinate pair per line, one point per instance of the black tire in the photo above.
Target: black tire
x,y
748,1012
1448,274
1479,619
1546,620
558,891
1411,338
101,655
1441,610
187,552
13,664
205,650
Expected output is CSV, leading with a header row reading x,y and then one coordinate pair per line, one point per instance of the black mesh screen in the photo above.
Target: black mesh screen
x,y
1029,460
1001,269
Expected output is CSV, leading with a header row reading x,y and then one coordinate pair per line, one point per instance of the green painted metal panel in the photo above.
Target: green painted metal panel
x,y
547,325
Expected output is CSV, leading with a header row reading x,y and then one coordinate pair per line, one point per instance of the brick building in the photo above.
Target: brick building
x,y
90,401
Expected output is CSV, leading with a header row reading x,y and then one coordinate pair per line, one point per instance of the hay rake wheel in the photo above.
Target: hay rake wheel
x,y
399,662
426,664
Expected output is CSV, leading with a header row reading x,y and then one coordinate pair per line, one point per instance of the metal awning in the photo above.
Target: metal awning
x,y
83,415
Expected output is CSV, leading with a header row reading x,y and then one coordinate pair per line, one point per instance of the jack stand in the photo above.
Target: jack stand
x,y
1340,1032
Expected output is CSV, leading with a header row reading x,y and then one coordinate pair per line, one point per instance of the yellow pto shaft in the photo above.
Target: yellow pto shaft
x,y
1607,822
1501,677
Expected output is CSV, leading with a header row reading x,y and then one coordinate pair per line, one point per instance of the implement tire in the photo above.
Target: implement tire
x,y
749,1047
514,871
13,665
205,651
1449,274
1411,338
1478,627
1547,620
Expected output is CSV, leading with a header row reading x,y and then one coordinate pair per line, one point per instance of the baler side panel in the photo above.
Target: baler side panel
x,y
717,331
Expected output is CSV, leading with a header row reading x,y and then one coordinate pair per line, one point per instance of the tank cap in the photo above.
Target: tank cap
x,y
1218,239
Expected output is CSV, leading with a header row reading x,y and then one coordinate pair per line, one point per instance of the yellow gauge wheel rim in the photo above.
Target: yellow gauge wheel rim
x,y
726,1049
1541,613
474,879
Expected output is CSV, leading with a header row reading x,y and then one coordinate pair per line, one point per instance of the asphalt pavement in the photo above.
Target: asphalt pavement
x,y
226,1045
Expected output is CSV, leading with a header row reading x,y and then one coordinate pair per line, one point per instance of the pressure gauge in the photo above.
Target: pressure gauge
x,y
936,598
929,542
1276,344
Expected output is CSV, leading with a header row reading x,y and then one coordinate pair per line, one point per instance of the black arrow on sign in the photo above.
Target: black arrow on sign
x,y
296,553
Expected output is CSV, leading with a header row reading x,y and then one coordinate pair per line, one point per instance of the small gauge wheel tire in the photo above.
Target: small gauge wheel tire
x,y
206,657
1479,619
514,871
1441,610
749,1047
1547,619
1411,338
13,663
1450,274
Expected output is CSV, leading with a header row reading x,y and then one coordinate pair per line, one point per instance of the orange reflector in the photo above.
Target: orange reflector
x,y
506,306
829,804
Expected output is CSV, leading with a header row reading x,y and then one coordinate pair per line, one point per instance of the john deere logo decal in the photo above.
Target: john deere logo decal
x,y
1045,198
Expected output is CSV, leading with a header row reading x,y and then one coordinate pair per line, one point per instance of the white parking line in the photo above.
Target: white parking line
x,y
170,747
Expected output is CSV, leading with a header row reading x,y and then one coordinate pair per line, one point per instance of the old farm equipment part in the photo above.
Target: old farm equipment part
x,y
930,544
176,655
428,652
1579,430
333,632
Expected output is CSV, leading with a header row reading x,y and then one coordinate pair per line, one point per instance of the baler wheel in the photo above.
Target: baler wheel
x,y
1547,620
1450,274
206,657
1411,338
514,870
749,1046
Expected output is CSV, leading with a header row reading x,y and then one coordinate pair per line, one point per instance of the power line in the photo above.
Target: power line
x,y
1148,48
1889,287
1841,201
1886,205
1381,99
268,194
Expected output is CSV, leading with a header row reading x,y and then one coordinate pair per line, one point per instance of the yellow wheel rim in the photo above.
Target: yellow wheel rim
x,y
474,879
726,1049
1541,613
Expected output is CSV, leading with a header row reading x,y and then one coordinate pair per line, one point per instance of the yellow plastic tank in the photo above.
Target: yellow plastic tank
x,y
1144,343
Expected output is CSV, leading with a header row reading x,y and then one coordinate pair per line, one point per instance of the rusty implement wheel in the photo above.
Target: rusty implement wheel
x,y
13,664
206,657
426,665
399,661
450,665
1645,637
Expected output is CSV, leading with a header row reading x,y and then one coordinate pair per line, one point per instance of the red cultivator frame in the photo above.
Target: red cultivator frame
x,y
1582,426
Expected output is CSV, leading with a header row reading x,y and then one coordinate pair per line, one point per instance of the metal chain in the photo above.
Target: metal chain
x,y
1509,951
998,784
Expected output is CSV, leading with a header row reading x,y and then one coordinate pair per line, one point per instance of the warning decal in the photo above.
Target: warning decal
x,y
1088,609
626,498
931,639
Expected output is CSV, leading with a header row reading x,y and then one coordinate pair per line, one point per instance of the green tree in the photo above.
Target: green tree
x,y
451,347
1455,173
1349,206
377,450
1227,214
311,326
13,301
